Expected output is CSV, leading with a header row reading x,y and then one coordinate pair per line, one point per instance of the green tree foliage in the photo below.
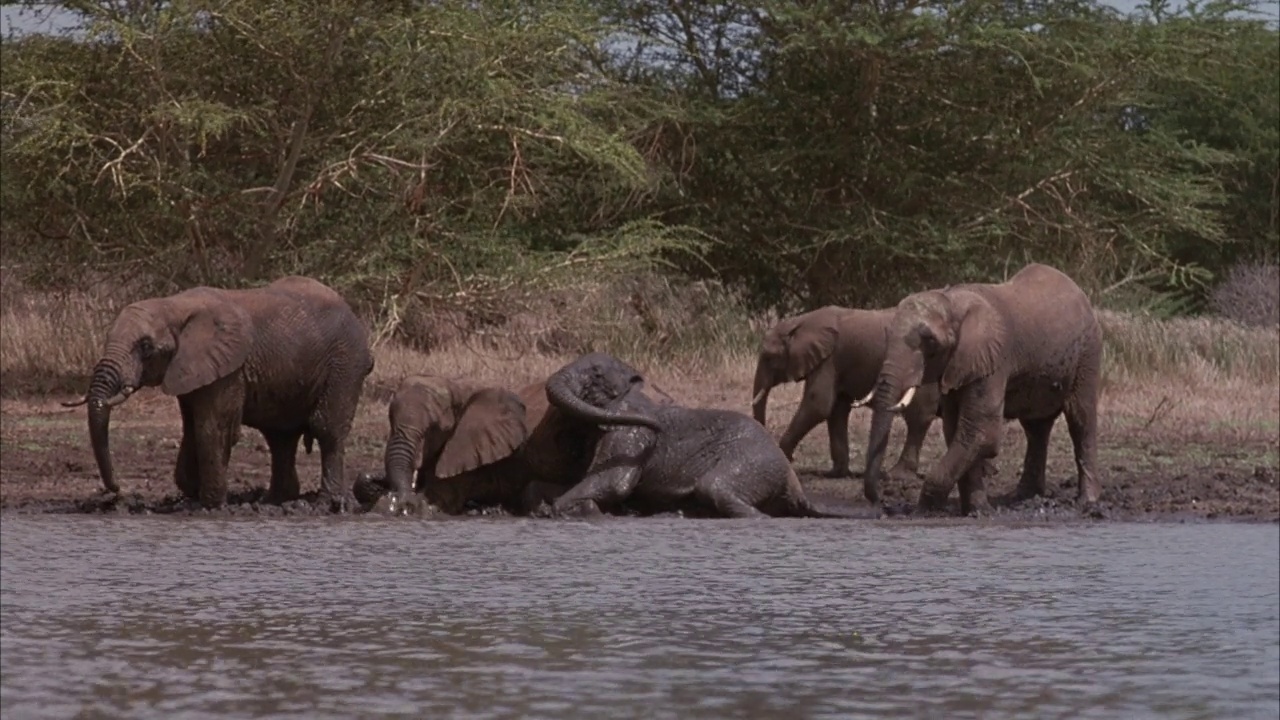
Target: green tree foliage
x,y
807,152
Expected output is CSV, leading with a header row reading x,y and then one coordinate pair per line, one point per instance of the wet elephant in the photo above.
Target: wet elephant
x,y
668,456
288,359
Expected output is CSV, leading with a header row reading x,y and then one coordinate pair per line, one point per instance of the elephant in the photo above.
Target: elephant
x,y
288,359
838,352
1028,349
669,457
518,466
459,439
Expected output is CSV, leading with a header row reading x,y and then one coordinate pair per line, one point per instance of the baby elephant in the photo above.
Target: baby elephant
x,y
667,457
455,437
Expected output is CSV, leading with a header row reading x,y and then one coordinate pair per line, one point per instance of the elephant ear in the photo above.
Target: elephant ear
x,y
491,427
809,343
212,343
979,333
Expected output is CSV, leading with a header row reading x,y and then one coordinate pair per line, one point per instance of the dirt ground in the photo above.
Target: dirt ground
x,y
46,466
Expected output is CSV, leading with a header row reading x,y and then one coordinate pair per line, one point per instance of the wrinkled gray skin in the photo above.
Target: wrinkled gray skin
x,y
837,352
429,415
669,457
448,440
288,359
1029,349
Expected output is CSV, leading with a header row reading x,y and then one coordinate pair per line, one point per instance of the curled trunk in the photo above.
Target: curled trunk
x,y
760,392
563,396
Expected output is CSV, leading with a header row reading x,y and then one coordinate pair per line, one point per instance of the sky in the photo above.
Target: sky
x,y
15,18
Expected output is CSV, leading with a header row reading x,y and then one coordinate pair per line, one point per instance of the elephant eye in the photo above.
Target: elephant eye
x,y
928,341
146,347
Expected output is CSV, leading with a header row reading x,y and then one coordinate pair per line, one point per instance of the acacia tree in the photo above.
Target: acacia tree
x,y
852,151
437,151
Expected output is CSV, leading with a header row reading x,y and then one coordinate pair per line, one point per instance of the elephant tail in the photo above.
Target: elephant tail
x,y
801,506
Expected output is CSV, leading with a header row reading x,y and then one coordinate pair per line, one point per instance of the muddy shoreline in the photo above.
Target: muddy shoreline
x,y
46,467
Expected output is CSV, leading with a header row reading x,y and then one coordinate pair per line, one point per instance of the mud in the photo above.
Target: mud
x,y
46,466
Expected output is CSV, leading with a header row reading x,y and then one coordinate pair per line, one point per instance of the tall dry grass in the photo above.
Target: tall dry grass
x,y
698,344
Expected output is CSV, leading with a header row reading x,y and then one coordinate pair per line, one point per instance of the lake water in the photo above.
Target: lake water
x,y
152,617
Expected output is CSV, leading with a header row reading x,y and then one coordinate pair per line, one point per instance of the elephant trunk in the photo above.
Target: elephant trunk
x,y
877,444
106,390
760,392
562,394
404,449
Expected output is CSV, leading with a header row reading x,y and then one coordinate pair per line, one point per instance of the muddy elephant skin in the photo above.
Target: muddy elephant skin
x,y
1028,349
668,456
288,359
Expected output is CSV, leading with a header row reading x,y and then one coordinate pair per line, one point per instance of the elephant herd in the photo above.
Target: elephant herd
x,y
290,359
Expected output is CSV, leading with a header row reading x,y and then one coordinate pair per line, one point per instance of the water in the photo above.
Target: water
x,y
629,618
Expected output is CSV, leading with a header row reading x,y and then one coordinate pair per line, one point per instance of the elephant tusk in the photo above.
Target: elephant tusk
x,y
76,403
759,396
905,401
118,398
865,400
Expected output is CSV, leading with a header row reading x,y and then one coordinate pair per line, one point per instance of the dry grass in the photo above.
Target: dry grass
x,y
1197,379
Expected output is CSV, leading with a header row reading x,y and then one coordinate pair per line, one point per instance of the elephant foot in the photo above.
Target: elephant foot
x,y
931,501
977,508
836,473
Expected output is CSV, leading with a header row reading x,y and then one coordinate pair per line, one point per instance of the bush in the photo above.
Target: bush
x,y
1250,295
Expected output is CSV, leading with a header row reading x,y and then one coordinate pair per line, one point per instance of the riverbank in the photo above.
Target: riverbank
x,y
1202,447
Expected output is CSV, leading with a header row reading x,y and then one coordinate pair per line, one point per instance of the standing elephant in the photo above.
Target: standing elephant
x,y
1029,349
838,353
666,456
288,359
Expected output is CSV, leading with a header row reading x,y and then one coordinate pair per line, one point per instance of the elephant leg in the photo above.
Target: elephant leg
x,y
1032,482
1082,423
838,438
334,489
919,416
973,491
721,489
284,468
614,473
217,410
970,441
186,472
815,406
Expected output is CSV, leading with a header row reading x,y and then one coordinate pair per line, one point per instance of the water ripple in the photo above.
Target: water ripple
x,y
155,617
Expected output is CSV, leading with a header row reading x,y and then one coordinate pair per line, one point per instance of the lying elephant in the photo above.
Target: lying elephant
x,y
667,456
837,351
1028,349
459,444
288,359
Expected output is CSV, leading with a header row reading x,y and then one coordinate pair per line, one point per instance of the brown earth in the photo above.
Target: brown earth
x,y
1150,472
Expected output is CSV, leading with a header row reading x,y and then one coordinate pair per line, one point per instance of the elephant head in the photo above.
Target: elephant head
x,y
591,387
460,426
181,343
792,349
951,336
